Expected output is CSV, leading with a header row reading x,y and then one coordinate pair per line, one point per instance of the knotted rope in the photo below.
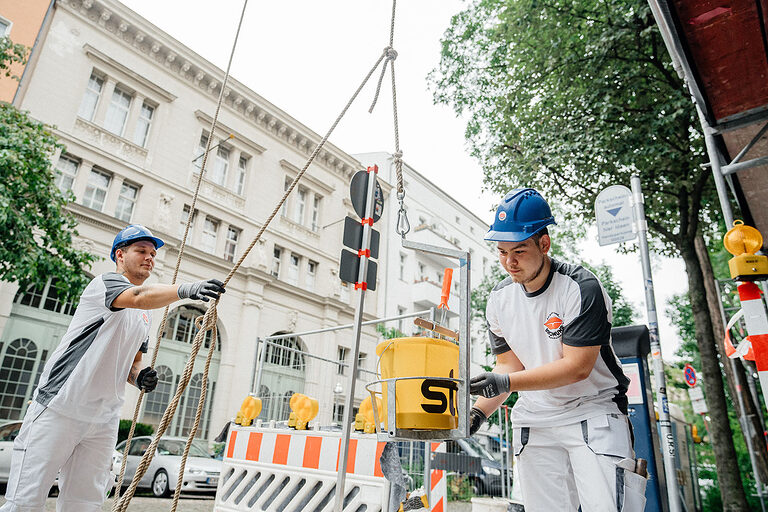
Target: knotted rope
x,y
208,321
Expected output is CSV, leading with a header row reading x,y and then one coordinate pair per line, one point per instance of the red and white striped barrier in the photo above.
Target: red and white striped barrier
x,y
438,484
268,469
757,327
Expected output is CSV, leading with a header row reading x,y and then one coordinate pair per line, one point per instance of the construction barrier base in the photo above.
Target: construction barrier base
x,y
273,469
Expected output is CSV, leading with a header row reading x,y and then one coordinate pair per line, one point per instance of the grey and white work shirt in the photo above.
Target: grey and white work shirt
x,y
572,308
85,377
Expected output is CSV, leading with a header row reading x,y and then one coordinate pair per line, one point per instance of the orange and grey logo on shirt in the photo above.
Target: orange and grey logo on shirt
x,y
553,326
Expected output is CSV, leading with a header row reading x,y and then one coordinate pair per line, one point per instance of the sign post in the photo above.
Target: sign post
x,y
667,438
368,203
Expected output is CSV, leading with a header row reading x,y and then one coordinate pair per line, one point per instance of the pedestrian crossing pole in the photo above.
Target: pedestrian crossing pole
x,y
667,439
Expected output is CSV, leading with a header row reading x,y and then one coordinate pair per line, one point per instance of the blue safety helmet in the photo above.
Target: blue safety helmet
x,y
131,234
521,214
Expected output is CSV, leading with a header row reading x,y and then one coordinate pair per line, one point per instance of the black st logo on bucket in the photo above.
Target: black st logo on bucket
x,y
429,393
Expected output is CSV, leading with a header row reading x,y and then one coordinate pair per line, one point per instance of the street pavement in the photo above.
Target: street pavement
x,y
150,504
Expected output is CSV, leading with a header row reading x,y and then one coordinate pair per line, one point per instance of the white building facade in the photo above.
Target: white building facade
x,y
133,108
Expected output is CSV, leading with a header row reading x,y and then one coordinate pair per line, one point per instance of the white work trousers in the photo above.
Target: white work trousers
x,y
49,442
567,466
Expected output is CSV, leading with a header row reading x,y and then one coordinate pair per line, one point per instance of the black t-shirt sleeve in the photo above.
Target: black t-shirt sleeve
x,y
591,325
499,344
144,346
114,285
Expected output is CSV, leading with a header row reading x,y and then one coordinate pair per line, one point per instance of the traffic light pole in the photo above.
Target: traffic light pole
x,y
667,439
360,287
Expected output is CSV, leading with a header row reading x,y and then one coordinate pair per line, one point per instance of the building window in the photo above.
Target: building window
x,y
126,201
309,282
338,412
286,186
66,170
96,191
117,113
293,269
300,206
230,247
199,153
5,27
218,172
46,296
158,400
361,359
208,240
402,266
91,97
183,222
242,166
189,408
181,326
285,352
16,377
400,312
141,131
342,358
276,256
422,272
316,212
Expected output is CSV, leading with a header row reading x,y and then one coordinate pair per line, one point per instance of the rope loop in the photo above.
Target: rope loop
x,y
390,53
388,56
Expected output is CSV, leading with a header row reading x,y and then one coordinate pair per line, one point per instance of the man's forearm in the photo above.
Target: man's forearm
x,y
549,376
148,296
489,405
133,373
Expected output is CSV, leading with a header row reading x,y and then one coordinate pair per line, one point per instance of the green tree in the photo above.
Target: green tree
x,y
36,229
11,53
572,97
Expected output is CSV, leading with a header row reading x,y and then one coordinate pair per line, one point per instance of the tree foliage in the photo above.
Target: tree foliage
x,y
11,53
36,229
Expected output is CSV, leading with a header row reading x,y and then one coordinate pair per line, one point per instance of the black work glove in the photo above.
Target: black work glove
x,y
147,379
476,420
489,384
201,290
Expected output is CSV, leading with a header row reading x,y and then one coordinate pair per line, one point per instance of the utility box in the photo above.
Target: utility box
x,y
632,345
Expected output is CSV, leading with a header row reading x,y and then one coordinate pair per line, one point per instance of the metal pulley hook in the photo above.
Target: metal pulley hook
x,y
403,226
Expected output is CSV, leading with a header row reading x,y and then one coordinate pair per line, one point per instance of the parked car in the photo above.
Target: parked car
x,y
201,474
8,432
486,475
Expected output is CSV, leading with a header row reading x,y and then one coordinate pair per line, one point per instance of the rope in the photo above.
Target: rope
x,y
208,321
176,270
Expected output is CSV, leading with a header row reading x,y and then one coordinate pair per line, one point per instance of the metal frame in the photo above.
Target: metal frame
x,y
462,394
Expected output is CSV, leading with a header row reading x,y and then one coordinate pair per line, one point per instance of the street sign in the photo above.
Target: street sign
x,y
690,375
357,190
350,266
353,236
697,400
613,212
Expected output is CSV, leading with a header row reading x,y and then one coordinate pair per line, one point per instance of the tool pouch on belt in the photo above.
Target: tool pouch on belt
x,y
630,487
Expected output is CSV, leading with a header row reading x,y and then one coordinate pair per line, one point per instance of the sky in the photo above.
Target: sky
x,y
308,57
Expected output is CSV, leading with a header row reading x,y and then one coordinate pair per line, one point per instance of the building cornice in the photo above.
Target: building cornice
x,y
111,63
319,184
256,149
163,51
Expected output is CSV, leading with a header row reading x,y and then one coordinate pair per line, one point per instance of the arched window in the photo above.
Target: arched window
x,y
285,352
46,296
16,377
180,326
158,400
188,407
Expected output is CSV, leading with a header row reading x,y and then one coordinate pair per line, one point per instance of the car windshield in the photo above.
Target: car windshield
x,y
476,449
10,431
174,447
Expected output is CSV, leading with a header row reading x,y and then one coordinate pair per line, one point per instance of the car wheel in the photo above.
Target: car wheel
x,y
160,484
477,487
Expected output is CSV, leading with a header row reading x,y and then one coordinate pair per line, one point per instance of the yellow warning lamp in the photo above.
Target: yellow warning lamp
x,y
366,415
249,410
695,434
743,242
306,409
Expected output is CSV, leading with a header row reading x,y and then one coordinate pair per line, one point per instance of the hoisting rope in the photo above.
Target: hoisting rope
x,y
208,321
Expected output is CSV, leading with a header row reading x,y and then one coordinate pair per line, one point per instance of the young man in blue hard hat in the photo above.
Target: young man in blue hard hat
x,y
549,325
72,422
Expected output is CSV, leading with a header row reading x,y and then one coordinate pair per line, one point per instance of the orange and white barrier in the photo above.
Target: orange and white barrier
x,y
438,485
272,469
757,327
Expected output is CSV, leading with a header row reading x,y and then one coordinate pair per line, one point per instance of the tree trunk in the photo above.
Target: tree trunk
x,y
729,479
729,365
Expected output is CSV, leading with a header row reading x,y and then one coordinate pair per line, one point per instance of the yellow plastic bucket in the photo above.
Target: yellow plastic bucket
x,y
424,404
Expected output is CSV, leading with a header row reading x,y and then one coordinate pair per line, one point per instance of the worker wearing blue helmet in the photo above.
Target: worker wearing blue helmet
x,y
70,427
549,325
